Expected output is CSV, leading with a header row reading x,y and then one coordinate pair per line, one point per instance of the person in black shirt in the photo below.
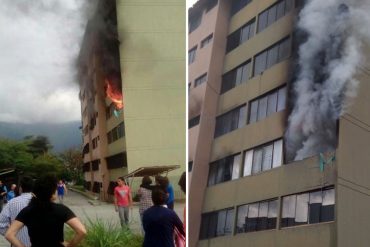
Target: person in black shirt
x,y
159,222
45,219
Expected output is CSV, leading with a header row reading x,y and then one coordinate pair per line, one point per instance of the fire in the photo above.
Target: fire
x,y
114,93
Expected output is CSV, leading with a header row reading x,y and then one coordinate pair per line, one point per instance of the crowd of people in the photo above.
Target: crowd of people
x,y
160,224
31,216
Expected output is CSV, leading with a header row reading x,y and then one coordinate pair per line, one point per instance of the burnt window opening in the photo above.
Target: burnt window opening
x,y
116,161
194,121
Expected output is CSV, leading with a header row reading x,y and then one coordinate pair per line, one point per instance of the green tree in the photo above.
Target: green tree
x,y
73,162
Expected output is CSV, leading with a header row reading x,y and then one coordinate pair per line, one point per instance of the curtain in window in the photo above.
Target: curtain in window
x,y
248,161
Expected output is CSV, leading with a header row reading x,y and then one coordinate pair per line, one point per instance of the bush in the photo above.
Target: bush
x,y
107,234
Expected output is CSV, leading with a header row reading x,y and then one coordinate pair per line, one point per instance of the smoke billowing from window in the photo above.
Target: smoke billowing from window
x,y
329,55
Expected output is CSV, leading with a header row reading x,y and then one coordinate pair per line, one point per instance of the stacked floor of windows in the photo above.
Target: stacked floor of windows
x,y
116,133
316,206
273,13
231,120
218,223
272,55
257,216
308,208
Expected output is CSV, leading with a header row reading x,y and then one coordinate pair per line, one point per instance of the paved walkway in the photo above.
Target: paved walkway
x,y
84,210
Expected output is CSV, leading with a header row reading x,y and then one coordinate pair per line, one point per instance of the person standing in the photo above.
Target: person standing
x,y
122,201
12,209
145,193
3,192
11,193
62,189
45,219
171,195
159,222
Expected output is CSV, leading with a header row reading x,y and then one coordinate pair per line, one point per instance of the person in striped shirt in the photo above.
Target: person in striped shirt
x,y
12,209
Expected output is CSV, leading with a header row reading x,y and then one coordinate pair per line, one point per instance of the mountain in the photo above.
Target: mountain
x,y
61,136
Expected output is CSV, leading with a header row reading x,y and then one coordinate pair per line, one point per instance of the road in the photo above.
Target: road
x,y
81,206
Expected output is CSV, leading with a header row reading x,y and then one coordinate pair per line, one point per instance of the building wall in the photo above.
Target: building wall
x,y
152,36
201,143
353,167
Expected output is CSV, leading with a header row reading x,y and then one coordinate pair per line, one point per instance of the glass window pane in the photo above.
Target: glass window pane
x,y
272,103
233,41
262,108
228,81
278,154
244,36
288,213
254,111
252,217
262,222
328,197
260,63
212,174
242,116
212,226
220,173
272,214
271,15
301,216
257,160
221,220
239,73
281,99
288,5
228,164
262,21
204,226
251,29
272,56
236,167
229,221
316,197
246,71
267,157
315,207
248,161
242,219
280,9
284,49
327,209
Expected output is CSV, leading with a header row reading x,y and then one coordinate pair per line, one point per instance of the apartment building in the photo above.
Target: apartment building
x,y
244,190
131,72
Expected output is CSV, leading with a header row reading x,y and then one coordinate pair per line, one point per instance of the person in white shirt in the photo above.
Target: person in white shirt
x,y
12,209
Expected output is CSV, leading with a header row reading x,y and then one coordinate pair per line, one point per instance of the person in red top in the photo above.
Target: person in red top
x,y
122,201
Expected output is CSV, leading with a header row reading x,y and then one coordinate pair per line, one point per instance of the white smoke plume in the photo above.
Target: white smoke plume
x,y
328,60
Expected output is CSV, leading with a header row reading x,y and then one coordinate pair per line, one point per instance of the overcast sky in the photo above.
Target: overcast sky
x,y
39,42
190,3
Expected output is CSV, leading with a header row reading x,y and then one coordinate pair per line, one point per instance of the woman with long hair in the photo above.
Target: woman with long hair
x,y
145,193
45,219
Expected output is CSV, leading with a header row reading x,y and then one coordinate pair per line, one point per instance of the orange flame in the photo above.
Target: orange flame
x,y
114,94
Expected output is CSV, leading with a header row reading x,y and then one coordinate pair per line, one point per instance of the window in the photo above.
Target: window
x,y
194,121
211,4
224,169
190,166
218,223
95,165
95,142
273,13
238,5
263,158
206,40
308,208
273,55
116,133
257,216
109,111
191,55
266,105
240,36
194,21
235,77
86,167
230,121
200,80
